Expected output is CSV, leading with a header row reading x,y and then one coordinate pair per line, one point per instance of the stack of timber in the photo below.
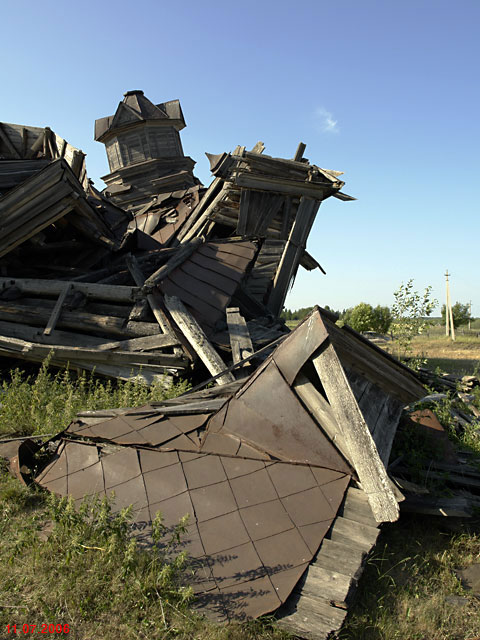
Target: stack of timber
x,y
280,470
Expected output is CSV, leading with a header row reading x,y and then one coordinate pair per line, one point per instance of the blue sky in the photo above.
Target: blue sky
x,y
386,91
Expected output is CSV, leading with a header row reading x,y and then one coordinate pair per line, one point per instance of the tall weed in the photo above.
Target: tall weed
x,y
48,401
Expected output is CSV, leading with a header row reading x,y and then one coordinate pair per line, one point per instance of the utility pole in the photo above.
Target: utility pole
x,y
448,311
469,314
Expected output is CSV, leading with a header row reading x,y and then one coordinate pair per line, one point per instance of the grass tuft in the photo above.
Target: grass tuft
x,y
47,402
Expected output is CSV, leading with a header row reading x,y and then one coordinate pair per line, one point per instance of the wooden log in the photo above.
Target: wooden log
x,y
57,309
37,286
74,354
197,338
78,320
148,374
152,299
35,334
361,447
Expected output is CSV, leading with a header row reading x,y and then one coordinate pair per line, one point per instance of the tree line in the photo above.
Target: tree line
x,y
365,317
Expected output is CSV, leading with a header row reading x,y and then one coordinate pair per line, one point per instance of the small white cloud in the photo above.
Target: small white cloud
x,y
325,121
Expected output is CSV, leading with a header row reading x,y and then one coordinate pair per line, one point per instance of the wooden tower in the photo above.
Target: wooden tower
x,y
144,150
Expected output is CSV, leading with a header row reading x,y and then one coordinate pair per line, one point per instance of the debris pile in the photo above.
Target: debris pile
x,y
136,281
281,464
436,477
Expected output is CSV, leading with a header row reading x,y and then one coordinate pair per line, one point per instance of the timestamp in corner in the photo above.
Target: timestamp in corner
x,y
44,628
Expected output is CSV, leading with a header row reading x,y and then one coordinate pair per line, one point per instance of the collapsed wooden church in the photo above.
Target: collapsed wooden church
x,y
281,464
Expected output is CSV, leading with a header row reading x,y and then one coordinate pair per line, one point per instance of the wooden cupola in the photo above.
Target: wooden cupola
x,y
140,131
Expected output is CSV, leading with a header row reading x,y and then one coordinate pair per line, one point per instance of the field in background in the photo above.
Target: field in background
x,y
459,357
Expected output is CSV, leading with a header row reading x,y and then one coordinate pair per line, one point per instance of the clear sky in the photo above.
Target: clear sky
x,y
386,91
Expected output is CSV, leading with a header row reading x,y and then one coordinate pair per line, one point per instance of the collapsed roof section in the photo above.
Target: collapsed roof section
x,y
262,466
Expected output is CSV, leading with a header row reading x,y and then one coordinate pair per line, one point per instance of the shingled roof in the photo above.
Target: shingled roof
x,y
135,107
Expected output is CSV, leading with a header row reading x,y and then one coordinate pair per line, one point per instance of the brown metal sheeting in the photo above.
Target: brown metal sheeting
x,y
254,526
207,280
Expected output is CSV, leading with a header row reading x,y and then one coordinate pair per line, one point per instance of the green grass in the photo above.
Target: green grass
x,y
404,591
47,402
89,574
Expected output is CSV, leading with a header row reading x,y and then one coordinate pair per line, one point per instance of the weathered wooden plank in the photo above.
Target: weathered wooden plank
x,y
148,374
57,309
326,584
341,557
205,215
193,218
323,413
385,427
7,142
362,449
292,253
242,215
309,617
375,364
145,343
197,338
72,354
354,533
240,340
356,507
299,152
317,190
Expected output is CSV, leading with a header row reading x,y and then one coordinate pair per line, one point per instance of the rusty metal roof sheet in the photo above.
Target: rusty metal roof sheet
x,y
148,430
254,525
267,414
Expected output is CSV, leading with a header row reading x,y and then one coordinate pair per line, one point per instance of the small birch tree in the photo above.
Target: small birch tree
x,y
410,312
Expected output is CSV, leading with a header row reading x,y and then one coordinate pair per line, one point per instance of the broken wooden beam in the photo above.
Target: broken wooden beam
x,y
197,338
358,439
240,340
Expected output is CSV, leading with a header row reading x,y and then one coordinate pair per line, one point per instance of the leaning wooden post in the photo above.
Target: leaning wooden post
x,y
197,338
362,450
